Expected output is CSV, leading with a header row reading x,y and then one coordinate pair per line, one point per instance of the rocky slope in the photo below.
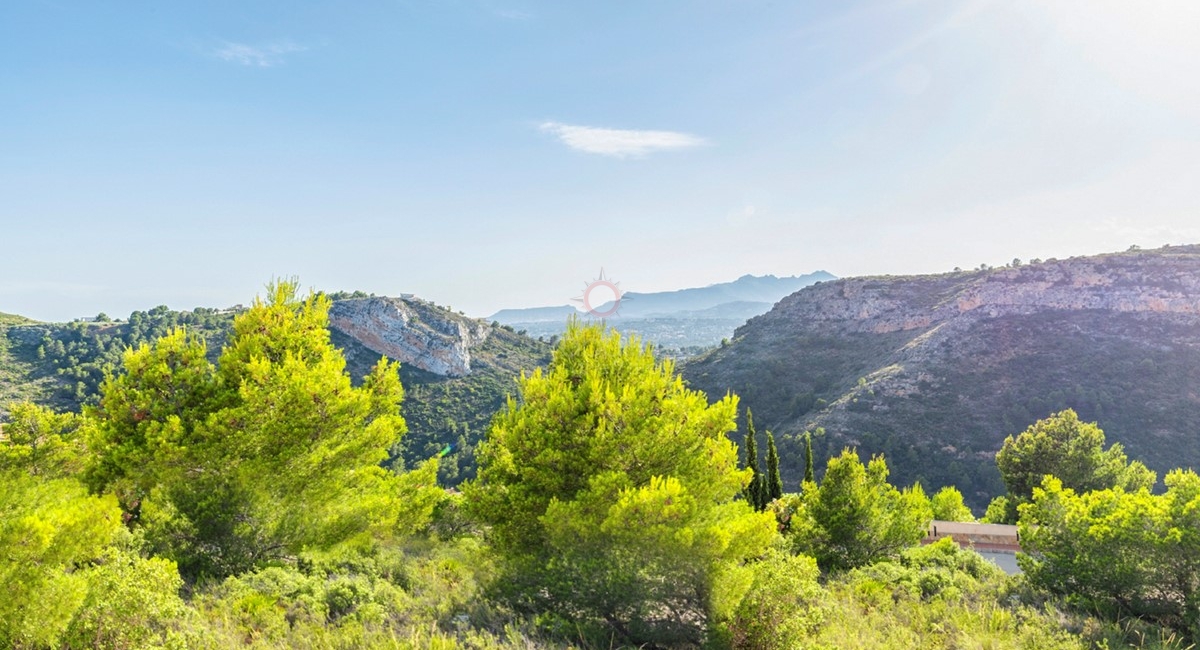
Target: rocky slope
x,y
411,331
936,370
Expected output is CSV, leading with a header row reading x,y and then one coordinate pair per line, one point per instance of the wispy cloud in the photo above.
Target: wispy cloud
x,y
620,143
259,56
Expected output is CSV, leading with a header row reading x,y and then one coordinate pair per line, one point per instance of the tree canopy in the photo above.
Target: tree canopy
x,y
1120,552
856,517
270,452
42,442
1073,451
610,491
61,563
948,505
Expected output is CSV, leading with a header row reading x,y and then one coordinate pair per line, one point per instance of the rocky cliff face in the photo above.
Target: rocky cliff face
x,y
411,331
1163,281
936,370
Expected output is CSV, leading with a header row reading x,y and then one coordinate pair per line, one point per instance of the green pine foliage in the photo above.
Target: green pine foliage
x,y
1073,451
610,491
268,453
783,606
753,492
774,482
856,517
81,354
948,505
63,365
810,474
997,511
50,526
70,578
1118,552
132,601
42,442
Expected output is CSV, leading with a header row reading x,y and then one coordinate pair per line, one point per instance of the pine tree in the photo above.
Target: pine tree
x,y
754,491
270,452
608,455
774,482
810,476
857,517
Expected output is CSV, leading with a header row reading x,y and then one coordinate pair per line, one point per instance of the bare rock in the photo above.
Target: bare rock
x,y
411,331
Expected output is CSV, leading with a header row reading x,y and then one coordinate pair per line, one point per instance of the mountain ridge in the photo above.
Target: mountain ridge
x,y
680,321
938,369
747,288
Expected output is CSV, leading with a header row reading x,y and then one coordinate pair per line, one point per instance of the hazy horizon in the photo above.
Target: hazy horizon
x,y
489,154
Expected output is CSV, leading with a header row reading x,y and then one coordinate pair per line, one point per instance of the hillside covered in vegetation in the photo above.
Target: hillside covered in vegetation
x,y
247,503
62,366
935,371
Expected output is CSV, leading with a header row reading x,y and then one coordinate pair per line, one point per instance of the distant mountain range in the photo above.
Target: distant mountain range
x,y
534,315
934,371
694,317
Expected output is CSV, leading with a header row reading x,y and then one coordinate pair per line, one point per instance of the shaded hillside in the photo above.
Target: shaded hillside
x,y
457,371
935,371
62,365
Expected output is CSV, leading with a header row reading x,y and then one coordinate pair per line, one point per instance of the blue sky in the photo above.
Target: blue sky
x,y
488,153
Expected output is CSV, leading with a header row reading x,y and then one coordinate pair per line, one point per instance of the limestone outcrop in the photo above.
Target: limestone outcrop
x,y
1162,281
411,331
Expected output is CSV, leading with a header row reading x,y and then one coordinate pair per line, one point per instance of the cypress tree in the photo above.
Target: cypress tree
x,y
810,476
774,482
754,491
763,492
